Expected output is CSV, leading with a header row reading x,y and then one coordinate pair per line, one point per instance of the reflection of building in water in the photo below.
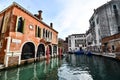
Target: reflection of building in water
x,y
35,71
24,36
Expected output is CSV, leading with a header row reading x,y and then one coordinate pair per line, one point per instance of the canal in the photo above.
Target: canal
x,y
73,67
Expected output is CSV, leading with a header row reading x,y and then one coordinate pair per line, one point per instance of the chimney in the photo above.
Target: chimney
x,y
51,25
40,14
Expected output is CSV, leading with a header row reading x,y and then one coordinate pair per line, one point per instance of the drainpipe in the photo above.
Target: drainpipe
x,y
7,51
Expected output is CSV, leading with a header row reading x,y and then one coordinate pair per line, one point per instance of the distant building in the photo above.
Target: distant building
x,y
66,45
25,37
63,44
75,41
104,22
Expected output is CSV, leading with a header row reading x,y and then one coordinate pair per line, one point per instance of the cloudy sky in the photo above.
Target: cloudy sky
x,y
68,16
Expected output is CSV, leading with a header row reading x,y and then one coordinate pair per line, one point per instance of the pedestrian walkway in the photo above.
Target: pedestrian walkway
x,y
111,55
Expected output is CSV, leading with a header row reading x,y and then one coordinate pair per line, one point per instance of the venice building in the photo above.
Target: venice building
x,y
25,37
104,22
75,41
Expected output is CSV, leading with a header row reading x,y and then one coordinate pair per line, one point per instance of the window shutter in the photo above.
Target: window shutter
x,y
23,30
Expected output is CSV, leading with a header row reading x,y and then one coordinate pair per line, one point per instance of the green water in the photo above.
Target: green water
x,y
74,67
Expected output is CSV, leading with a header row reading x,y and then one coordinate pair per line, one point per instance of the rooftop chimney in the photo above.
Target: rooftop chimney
x,y
40,14
51,25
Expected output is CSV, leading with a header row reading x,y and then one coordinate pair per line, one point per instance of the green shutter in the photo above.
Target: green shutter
x,y
23,28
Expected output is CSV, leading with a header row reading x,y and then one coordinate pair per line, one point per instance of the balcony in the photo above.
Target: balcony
x,y
48,40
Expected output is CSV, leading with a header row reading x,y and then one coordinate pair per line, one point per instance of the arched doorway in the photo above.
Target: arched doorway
x,y
41,50
28,51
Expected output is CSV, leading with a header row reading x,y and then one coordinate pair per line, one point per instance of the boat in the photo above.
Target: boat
x,y
89,53
79,52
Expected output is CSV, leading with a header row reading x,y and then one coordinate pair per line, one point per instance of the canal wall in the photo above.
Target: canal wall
x,y
28,61
108,55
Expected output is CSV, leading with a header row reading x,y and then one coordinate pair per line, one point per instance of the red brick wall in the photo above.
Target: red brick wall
x,y
6,33
13,61
115,42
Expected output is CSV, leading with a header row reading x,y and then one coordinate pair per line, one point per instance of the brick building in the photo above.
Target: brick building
x,y
111,43
25,37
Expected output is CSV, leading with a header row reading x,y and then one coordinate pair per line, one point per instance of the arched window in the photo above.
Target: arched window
x,y
20,25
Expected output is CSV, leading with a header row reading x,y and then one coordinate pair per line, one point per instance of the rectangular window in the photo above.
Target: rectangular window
x,y
118,28
114,7
97,20
43,33
113,47
38,32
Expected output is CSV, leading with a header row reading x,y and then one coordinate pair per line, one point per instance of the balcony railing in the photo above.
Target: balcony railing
x,y
48,40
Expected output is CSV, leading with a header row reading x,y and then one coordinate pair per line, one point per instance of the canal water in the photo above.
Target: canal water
x,y
72,67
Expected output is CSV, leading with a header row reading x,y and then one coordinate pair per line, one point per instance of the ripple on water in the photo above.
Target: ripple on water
x,y
73,73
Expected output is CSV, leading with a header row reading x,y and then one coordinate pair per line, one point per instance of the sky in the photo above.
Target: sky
x,y
68,16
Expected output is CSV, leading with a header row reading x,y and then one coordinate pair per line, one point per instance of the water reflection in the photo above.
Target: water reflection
x,y
74,67
93,67
37,71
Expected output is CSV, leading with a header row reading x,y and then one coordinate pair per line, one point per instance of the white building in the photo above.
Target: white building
x,y
75,41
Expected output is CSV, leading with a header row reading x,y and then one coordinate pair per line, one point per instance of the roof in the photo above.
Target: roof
x,y
97,9
75,34
26,11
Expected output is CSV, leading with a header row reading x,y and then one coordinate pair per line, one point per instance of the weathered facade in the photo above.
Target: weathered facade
x,y
111,44
104,22
25,37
